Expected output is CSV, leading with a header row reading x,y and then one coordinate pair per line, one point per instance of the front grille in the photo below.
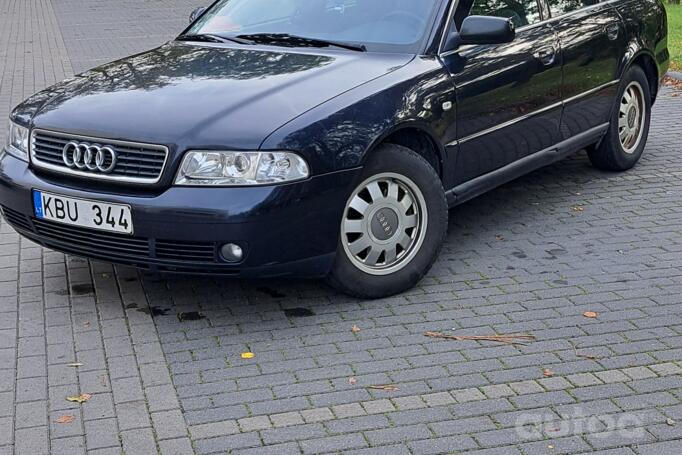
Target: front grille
x,y
135,162
16,219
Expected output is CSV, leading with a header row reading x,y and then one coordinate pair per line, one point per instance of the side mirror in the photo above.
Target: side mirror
x,y
482,30
196,13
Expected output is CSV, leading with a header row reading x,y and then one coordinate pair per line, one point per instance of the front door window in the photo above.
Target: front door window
x,y
522,13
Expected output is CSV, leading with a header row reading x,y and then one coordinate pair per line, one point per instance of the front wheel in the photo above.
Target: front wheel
x,y
624,143
393,225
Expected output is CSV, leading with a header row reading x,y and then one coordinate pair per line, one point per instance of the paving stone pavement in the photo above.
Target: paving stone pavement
x,y
161,356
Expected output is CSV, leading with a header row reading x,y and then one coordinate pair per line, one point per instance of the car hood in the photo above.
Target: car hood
x,y
189,94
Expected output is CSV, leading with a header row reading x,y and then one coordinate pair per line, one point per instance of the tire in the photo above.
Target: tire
x,y
631,119
400,244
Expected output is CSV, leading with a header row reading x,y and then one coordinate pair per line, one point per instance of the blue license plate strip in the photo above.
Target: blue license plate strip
x,y
38,204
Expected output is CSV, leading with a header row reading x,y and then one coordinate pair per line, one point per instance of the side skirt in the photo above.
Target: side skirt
x,y
512,171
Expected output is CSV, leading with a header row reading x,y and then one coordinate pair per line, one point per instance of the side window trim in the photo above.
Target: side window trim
x,y
448,27
545,14
547,18
545,11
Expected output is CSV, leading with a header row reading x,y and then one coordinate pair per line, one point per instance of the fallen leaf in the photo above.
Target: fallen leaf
x,y
385,387
352,381
75,365
550,446
587,356
355,329
248,355
82,398
591,314
548,373
66,419
507,339
670,422
673,82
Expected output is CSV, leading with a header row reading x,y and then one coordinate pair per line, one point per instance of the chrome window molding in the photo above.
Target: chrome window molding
x,y
89,175
446,29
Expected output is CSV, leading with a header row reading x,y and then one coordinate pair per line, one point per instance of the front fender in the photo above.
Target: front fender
x,y
344,130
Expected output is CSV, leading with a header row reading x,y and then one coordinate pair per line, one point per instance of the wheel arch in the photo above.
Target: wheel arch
x,y
645,60
418,138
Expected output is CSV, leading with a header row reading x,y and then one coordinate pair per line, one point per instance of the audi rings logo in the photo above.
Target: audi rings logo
x,y
89,157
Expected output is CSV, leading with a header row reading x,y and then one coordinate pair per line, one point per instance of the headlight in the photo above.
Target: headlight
x,y
17,141
240,168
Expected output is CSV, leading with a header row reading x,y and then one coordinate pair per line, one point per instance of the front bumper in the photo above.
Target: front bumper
x,y
285,230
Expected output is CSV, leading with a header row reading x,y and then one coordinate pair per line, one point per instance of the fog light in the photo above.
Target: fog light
x,y
232,252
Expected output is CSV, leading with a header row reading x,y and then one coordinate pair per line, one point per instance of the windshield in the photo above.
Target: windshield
x,y
379,25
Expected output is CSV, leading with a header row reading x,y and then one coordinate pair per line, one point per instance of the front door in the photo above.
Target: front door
x,y
508,95
593,41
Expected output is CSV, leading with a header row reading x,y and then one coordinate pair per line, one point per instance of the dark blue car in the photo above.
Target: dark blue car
x,y
326,138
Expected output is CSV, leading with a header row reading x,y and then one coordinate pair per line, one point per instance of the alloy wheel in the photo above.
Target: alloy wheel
x,y
631,117
384,224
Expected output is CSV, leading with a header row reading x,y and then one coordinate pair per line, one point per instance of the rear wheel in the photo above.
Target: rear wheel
x,y
393,225
624,143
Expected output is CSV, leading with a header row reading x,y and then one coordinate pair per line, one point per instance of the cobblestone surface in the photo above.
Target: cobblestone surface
x,y
530,257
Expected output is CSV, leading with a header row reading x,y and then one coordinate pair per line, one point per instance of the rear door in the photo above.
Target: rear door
x,y
593,42
508,95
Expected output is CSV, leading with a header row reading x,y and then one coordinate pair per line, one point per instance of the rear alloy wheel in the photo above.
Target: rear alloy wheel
x,y
631,117
624,142
393,225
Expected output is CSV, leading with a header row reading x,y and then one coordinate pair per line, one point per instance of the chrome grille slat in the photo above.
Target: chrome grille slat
x,y
51,158
144,160
136,163
138,151
136,166
50,145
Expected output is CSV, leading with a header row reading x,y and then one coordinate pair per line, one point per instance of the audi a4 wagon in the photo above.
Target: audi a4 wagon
x,y
326,138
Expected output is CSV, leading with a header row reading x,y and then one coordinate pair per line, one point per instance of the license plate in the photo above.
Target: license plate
x,y
83,212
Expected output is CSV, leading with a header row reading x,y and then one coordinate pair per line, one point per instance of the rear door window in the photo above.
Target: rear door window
x,y
561,7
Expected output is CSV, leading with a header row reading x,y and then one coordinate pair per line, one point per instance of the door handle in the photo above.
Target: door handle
x,y
547,55
612,31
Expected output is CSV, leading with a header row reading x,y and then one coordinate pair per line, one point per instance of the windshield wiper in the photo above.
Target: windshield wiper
x,y
294,40
212,38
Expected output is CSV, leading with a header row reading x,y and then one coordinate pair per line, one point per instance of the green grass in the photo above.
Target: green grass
x,y
675,35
